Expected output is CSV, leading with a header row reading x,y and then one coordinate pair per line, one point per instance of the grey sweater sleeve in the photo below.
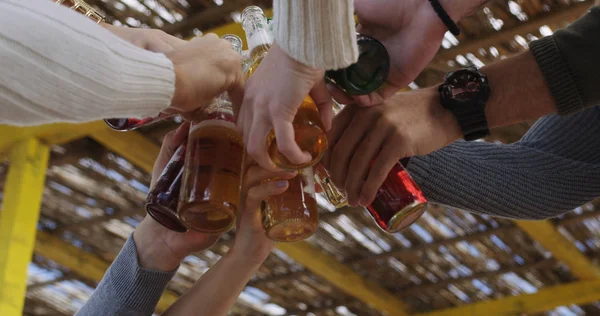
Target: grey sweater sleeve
x,y
553,169
569,62
127,289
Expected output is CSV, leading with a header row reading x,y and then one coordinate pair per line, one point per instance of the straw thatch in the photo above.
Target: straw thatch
x,y
94,198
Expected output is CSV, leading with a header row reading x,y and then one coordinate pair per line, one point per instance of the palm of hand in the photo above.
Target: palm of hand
x,y
412,37
250,235
189,242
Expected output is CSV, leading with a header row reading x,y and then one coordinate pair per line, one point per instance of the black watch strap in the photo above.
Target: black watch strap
x,y
472,121
452,27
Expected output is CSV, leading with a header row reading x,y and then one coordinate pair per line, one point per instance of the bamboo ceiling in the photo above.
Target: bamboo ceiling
x,y
94,198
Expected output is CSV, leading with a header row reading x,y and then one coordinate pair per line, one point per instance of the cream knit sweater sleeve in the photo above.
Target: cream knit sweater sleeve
x,y
317,33
58,66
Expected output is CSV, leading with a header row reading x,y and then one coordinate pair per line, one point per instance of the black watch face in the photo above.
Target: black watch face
x,y
464,85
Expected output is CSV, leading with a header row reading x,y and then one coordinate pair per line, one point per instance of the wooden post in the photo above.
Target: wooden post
x,y
22,202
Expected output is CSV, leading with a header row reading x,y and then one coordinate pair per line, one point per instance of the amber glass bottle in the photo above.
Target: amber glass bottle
x,y
308,128
293,215
211,185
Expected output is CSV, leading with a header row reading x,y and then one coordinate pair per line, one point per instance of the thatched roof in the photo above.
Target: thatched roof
x,y
94,198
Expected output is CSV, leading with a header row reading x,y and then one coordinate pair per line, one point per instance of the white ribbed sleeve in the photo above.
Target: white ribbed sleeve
x,y
317,33
59,66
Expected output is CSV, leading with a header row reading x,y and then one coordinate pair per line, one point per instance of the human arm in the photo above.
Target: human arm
x,y
133,284
411,31
310,37
59,66
218,289
523,87
553,169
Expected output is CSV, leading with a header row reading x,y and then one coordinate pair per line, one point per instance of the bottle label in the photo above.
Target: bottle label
x,y
258,38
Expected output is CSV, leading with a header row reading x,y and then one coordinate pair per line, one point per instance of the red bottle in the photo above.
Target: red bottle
x,y
399,202
129,124
163,199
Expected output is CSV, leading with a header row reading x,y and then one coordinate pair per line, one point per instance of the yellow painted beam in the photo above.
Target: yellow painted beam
x,y
344,278
22,201
582,292
545,233
132,146
51,134
82,263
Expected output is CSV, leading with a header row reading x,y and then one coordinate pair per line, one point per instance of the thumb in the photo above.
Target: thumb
x,y
286,142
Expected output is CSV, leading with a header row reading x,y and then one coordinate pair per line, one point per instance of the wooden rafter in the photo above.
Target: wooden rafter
x,y
561,248
581,292
574,11
82,263
207,17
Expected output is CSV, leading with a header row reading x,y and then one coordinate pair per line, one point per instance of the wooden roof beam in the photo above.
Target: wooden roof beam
x,y
577,293
82,263
545,233
573,12
51,134
206,17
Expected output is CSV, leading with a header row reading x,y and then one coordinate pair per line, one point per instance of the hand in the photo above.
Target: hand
x,y
365,143
205,67
149,39
272,98
251,242
158,247
412,33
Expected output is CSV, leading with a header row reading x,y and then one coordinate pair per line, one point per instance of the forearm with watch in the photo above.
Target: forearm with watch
x,y
558,75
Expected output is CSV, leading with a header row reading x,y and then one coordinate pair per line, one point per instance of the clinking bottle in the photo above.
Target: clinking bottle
x,y
211,184
308,129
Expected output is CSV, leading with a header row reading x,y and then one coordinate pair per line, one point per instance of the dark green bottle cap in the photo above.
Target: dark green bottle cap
x,y
368,73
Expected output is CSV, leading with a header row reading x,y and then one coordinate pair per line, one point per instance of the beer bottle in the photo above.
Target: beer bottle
x,y
293,215
308,129
129,124
162,201
332,193
210,193
368,73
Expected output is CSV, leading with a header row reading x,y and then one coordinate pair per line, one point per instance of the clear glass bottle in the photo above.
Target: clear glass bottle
x,y
210,193
293,215
163,198
308,128
83,8
332,193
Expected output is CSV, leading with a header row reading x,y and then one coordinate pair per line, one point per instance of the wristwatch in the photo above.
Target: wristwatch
x,y
465,93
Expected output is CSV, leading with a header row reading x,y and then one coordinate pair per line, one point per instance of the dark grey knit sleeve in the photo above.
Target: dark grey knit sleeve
x,y
553,169
127,289
569,61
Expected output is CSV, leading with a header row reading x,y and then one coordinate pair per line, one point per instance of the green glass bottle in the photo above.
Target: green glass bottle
x,y
368,73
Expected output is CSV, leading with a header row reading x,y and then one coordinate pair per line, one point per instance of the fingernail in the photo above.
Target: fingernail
x,y
281,183
363,201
